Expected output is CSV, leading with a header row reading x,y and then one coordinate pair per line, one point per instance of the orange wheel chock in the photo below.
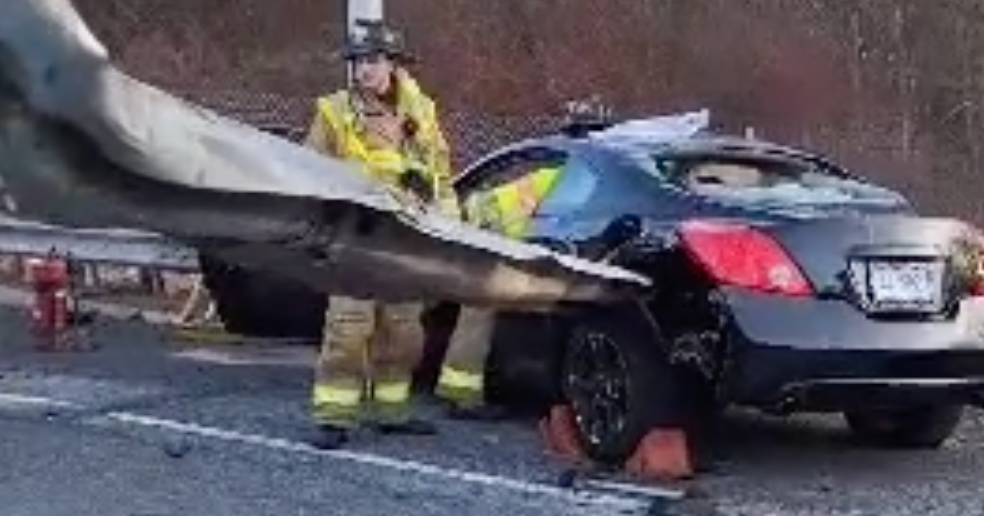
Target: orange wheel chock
x,y
663,455
560,435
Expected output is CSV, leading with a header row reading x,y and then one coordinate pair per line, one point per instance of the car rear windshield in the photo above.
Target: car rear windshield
x,y
769,180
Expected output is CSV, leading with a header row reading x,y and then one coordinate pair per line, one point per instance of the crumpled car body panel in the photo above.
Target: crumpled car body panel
x,y
82,144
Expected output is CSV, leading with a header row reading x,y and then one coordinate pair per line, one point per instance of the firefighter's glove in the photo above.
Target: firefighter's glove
x,y
415,181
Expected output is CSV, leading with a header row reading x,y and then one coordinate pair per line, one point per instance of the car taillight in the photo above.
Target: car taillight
x,y
742,256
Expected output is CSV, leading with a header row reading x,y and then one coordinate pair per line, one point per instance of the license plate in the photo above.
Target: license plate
x,y
905,284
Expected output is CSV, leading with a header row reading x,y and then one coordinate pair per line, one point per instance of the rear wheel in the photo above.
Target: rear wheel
x,y
258,305
923,427
621,384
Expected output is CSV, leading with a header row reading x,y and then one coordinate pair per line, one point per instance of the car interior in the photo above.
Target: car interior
x,y
726,175
704,175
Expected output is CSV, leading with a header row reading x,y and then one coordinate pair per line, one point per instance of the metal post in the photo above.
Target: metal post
x,y
360,10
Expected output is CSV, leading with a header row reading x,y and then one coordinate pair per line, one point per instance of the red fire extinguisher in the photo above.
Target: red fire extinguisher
x,y
52,308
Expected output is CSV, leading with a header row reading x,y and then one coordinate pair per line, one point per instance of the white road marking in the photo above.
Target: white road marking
x,y
368,459
283,357
408,466
36,401
650,491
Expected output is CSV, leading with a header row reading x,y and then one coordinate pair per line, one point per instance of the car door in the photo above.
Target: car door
x,y
569,212
560,214
518,373
478,189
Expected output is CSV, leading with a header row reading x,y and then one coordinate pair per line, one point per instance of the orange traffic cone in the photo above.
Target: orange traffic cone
x,y
559,432
663,455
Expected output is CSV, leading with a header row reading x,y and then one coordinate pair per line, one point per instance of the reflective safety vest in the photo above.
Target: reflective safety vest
x,y
509,208
427,151
385,164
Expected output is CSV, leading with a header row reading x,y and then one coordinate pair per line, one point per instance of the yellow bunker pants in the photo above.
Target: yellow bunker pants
x,y
368,353
462,379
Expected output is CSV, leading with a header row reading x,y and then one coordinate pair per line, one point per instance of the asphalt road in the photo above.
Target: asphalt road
x,y
147,426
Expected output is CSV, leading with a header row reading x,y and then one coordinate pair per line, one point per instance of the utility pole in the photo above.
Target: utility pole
x,y
360,10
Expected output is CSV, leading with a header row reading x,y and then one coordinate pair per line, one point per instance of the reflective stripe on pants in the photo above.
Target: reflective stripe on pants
x,y
460,386
389,404
391,392
462,378
337,405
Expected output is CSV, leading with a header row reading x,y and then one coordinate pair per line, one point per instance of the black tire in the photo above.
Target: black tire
x,y
522,371
922,427
258,305
621,385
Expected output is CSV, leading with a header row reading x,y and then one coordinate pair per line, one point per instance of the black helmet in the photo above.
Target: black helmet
x,y
376,38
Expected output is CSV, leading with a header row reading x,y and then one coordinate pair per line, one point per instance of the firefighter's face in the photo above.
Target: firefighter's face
x,y
374,73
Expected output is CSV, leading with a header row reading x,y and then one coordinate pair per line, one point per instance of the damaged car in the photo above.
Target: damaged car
x,y
780,280
665,269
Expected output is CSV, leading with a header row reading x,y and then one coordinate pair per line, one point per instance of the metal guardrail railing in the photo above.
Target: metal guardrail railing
x,y
96,245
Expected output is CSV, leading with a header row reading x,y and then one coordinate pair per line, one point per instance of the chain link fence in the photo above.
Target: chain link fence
x,y
470,134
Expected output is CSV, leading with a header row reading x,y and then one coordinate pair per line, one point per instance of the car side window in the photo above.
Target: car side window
x,y
501,174
575,185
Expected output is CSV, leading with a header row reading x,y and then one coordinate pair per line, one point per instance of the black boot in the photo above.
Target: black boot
x,y
483,412
330,437
412,426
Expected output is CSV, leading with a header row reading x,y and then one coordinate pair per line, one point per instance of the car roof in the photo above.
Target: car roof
x,y
700,143
703,142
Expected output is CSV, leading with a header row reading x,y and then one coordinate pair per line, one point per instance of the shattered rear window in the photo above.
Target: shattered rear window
x,y
770,181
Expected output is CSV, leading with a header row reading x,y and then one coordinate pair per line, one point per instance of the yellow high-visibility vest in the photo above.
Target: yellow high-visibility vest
x,y
384,164
509,208
427,152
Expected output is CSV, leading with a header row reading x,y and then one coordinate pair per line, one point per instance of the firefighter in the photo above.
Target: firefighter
x,y
508,210
369,349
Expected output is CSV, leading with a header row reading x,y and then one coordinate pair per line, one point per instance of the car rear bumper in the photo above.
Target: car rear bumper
x,y
786,379
865,393
825,355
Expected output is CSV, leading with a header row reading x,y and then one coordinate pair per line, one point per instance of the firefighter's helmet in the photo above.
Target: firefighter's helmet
x,y
376,38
